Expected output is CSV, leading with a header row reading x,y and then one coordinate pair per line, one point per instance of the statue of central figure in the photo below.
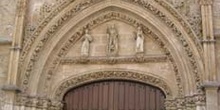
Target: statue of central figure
x,y
112,35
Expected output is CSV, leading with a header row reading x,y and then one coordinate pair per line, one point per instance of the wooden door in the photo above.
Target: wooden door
x,y
114,95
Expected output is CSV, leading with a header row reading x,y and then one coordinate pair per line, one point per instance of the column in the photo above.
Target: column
x,y
11,86
208,41
17,42
211,90
210,72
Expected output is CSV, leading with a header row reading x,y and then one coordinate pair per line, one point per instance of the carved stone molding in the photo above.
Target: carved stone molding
x,y
71,13
114,60
163,17
38,102
107,75
76,37
178,33
185,103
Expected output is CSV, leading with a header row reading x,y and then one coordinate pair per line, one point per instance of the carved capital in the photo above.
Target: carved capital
x,y
206,2
11,88
211,85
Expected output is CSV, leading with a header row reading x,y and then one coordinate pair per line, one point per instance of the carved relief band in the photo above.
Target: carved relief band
x,y
114,60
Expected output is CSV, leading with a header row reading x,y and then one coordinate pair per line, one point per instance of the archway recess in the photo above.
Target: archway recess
x,y
73,82
56,39
114,95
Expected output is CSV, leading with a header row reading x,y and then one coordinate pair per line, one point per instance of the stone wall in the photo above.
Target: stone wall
x,y
7,18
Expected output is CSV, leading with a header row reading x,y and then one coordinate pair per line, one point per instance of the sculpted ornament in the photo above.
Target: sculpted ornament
x,y
139,41
112,36
108,60
118,60
86,39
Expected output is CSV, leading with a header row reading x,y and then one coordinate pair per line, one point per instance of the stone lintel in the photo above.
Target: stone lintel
x,y
11,88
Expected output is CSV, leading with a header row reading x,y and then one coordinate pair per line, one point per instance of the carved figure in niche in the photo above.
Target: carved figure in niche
x,y
139,37
112,35
86,40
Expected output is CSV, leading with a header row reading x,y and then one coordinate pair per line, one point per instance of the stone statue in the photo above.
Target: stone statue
x,y
139,37
87,38
112,35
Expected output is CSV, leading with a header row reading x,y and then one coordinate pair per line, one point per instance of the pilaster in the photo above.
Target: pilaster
x,y
11,89
17,42
208,40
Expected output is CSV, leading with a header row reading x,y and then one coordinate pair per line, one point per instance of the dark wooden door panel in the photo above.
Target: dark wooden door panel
x,y
114,95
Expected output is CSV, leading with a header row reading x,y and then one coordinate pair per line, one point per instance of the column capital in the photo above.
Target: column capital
x,y
11,88
205,2
211,85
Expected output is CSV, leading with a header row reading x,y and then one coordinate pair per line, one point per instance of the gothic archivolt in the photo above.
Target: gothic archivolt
x,y
108,75
117,60
41,36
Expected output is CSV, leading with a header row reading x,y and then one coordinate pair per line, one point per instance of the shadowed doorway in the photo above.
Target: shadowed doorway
x,y
114,95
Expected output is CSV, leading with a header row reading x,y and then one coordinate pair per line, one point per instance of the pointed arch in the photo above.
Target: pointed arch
x,y
58,32
73,82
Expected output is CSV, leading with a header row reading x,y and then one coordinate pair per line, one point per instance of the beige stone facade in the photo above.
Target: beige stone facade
x,y
41,49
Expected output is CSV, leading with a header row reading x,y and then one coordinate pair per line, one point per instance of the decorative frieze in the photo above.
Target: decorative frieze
x,y
79,7
186,102
38,102
115,60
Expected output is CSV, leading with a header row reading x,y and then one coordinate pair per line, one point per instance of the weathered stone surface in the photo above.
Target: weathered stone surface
x,y
50,54
4,60
7,17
